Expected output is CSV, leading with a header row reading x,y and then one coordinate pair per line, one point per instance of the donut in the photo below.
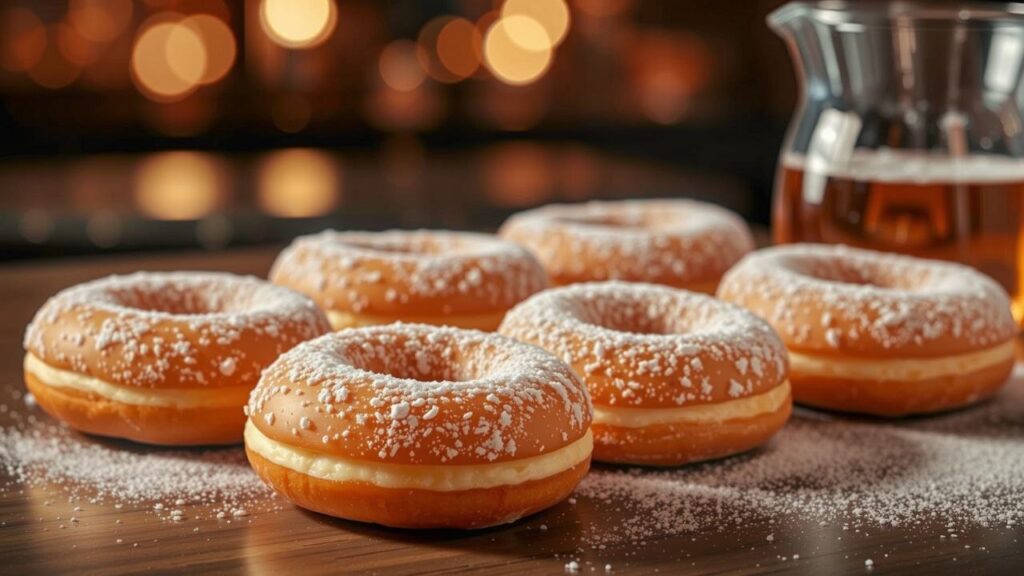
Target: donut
x,y
459,279
162,358
420,426
877,333
679,243
675,377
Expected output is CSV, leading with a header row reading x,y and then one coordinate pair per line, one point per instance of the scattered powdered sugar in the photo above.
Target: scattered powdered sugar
x,y
961,470
412,393
836,297
151,329
40,454
395,270
648,345
664,241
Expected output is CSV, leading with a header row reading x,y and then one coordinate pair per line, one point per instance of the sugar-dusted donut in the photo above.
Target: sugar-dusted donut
x,y
419,426
162,358
879,333
679,243
675,376
458,279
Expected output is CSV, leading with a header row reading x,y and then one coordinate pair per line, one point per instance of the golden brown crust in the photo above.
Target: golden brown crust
x,y
149,424
417,394
678,444
409,274
155,330
410,508
679,243
859,303
643,345
900,398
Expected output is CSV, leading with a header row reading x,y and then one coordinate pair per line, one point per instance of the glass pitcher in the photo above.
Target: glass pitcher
x,y
908,136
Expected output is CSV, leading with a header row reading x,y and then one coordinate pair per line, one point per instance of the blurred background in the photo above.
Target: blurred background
x,y
166,124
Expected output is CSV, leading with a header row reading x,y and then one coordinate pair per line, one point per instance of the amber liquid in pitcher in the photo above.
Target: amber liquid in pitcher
x,y
968,209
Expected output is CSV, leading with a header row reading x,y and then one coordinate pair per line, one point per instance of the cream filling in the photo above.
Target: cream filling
x,y
439,478
485,321
898,369
163,397
741,408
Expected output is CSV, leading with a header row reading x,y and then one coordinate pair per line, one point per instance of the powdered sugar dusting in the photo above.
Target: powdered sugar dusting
x,y
175,329
40,454
422,394
676,242
622,336
379,272
960,470
828,298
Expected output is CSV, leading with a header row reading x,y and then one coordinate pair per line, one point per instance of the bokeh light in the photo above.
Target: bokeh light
x,y
459,46
507,56
518,174
298,183
22,39
400,67
298,23
552,15
99,20
527,33
53,70
291,113
178,185
219,43
74,47
169,60
666,71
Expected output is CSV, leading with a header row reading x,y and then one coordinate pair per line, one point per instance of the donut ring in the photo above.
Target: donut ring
x,y
879,333
680,243
430,277
675,377
418,426
162,358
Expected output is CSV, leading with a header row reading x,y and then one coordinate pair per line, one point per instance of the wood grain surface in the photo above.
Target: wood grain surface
x,y
132,539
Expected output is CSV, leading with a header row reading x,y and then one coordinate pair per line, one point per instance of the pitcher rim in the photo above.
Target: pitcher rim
x,y
911,13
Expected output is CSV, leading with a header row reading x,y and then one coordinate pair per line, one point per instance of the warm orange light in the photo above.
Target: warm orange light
x,y
298,23
517,174
298,183
399,66
219,43
178,186
666,71
552,15
74,47
99,20
291,113
169,60
53,70
22,39
459,47
517,50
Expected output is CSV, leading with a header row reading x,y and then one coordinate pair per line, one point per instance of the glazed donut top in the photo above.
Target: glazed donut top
x,y
419,272
836,299
650,346
172,329
418,394
673,242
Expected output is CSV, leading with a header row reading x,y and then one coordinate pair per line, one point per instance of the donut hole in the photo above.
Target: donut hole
x,y
859,272
627,221
420,360
183,300
630,316
409,245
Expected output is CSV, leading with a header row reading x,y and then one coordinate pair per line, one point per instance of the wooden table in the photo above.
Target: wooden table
x,y
292,541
